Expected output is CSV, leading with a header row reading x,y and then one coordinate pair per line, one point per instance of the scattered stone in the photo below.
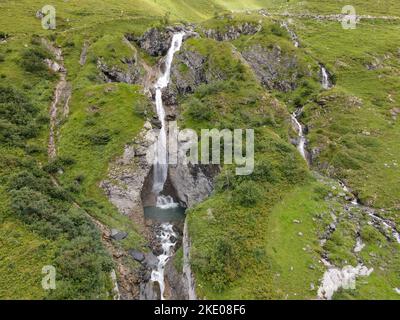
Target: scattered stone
x,y
118,235
151,260
39,14
137,255
296,221
394,113
300,234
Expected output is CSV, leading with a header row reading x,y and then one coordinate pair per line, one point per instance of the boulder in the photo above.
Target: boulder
x,y
118,235
137,255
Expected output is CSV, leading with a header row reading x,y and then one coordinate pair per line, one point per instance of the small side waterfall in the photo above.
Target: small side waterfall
x,y
301,146
326,83
160,171
293,35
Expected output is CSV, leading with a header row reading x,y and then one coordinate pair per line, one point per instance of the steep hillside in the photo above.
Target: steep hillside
x,y
78,118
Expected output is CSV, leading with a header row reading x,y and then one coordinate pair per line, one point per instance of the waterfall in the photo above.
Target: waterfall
x,y
167,236
326,84
166,202
293,35
301,146
160,170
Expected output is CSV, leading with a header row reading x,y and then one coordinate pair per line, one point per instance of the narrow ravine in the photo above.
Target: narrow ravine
x,y
166,235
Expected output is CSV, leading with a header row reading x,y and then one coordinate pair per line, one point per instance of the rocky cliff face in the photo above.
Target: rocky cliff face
x,y
232,32
192,183
274,68
156,41
113,74
127,175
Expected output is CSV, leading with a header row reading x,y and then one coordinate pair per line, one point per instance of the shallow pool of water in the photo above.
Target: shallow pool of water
x,y
157,214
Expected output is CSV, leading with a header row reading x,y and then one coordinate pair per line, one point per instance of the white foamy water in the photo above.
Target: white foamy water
x,y
167,237
386,226
166,202
359,245
293,35
161,153
302,139
345,278
325,78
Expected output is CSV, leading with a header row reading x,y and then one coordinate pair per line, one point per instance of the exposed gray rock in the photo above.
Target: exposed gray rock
x,y
127,175
188,72
274,68
193,183
150,290
155,42
39,14
118,235
175,286
232,32
150,260
137,255
82,58
114,74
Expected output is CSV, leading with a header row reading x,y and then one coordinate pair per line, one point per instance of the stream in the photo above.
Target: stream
x,y
335,278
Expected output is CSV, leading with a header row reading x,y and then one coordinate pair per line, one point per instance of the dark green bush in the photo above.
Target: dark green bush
x,y
199,110
81,262
101,137
248,193
4,36
277,30
17,117
32,61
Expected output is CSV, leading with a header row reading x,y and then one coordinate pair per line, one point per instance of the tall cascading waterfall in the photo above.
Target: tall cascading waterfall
x,y
160,170
166,235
